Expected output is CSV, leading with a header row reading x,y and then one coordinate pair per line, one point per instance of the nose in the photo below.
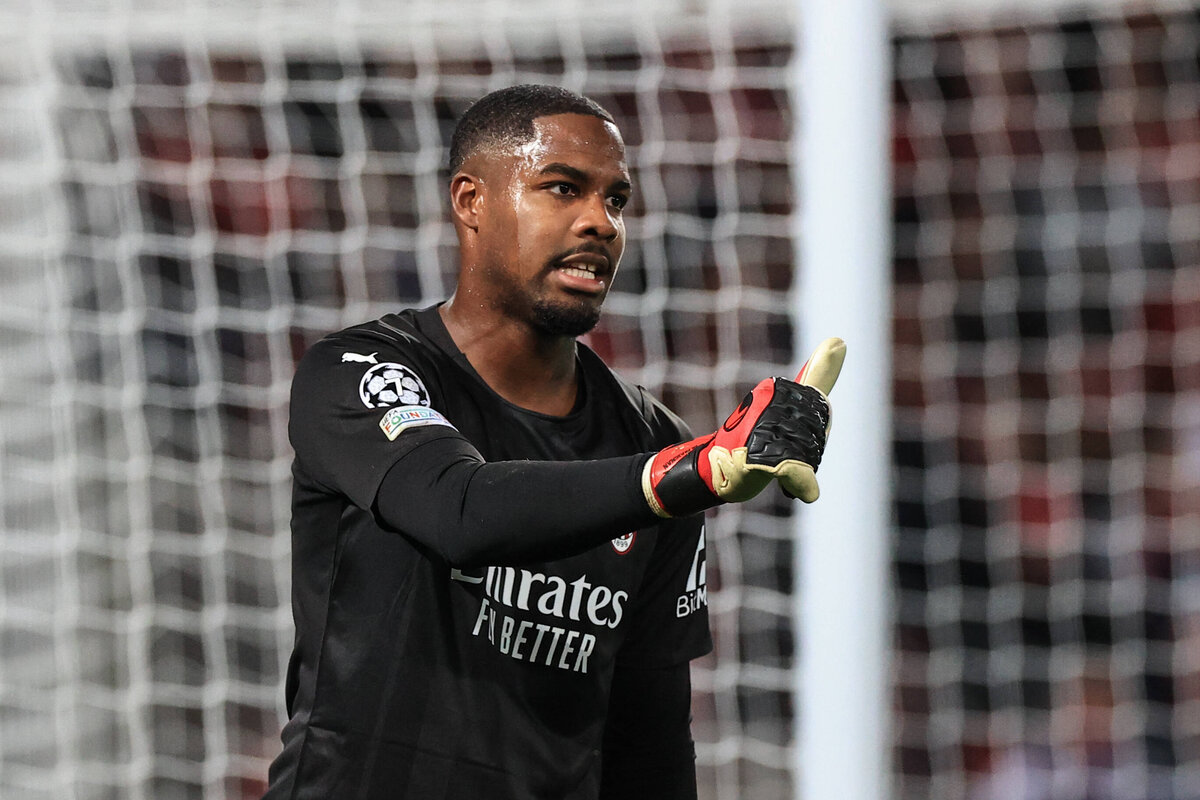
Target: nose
x,y
597,219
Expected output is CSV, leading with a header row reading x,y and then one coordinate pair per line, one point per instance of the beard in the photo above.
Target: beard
x,y
553,317
564,319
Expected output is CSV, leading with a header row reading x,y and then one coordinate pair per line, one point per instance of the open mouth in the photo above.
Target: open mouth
x,y
585,266
585,271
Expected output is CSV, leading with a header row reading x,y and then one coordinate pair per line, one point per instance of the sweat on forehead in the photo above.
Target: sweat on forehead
x,y
505,118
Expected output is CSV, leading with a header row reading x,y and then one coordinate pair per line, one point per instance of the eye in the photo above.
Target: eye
x,y
618,201
563,189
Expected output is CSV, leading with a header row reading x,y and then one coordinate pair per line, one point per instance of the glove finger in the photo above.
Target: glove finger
x,y
797,479
734,480
823,366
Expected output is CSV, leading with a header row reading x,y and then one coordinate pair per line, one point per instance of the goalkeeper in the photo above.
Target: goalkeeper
x,y
498,550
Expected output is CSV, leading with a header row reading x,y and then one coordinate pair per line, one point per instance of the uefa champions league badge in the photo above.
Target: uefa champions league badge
x,y
391,384
623,544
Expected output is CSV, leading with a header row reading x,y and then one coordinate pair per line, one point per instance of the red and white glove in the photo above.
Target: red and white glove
x,y
777,433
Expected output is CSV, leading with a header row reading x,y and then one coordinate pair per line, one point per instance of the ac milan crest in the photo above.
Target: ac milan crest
x,y
623,544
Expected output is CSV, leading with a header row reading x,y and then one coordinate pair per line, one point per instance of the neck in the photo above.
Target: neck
x,y
526,367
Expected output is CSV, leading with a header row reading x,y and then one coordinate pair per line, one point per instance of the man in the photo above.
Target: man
x,y
498,561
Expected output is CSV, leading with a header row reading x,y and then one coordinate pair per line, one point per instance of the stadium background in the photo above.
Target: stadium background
x,y
194,193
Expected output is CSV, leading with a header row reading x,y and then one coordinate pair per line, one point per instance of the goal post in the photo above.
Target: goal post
x,y
842,599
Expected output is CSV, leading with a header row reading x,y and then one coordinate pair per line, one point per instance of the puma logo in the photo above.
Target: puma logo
x,y
738,415
355,357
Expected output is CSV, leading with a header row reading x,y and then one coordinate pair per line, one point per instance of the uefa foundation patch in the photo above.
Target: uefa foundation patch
x,y
398,420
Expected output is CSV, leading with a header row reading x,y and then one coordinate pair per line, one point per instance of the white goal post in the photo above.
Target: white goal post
x,y
842,600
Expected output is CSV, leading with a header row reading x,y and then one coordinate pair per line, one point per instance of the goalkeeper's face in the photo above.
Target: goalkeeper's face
x,y
555,234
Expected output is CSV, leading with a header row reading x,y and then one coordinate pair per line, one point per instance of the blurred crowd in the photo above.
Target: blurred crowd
x,y
1047,394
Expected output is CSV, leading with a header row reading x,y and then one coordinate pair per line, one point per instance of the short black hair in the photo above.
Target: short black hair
x,y
506,117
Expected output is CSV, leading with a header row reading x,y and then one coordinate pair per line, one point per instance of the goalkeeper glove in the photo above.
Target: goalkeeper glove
x,y
777,433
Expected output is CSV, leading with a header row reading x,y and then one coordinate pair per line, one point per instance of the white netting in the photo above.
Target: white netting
x,y
193,193
1047,398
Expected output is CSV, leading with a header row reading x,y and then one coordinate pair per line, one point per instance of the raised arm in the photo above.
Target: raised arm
x,y
471,512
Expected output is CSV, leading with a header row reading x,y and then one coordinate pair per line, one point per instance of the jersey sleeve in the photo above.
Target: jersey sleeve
x,y
358,405
375,433
670,623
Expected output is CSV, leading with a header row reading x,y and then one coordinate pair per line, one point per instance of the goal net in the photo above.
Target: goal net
x,y
1047,406
194,192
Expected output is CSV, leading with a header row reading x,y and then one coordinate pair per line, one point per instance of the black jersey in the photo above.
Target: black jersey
x,y
413,678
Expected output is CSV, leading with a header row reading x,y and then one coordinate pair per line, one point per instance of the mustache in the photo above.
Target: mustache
x,y
586,248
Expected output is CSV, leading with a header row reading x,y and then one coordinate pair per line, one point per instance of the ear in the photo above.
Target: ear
x,y
466,196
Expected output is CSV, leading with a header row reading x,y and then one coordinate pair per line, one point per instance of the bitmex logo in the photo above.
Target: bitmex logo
x,y
695,594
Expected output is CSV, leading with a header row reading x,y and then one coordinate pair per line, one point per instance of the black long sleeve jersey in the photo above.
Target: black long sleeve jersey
x,y
468,574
